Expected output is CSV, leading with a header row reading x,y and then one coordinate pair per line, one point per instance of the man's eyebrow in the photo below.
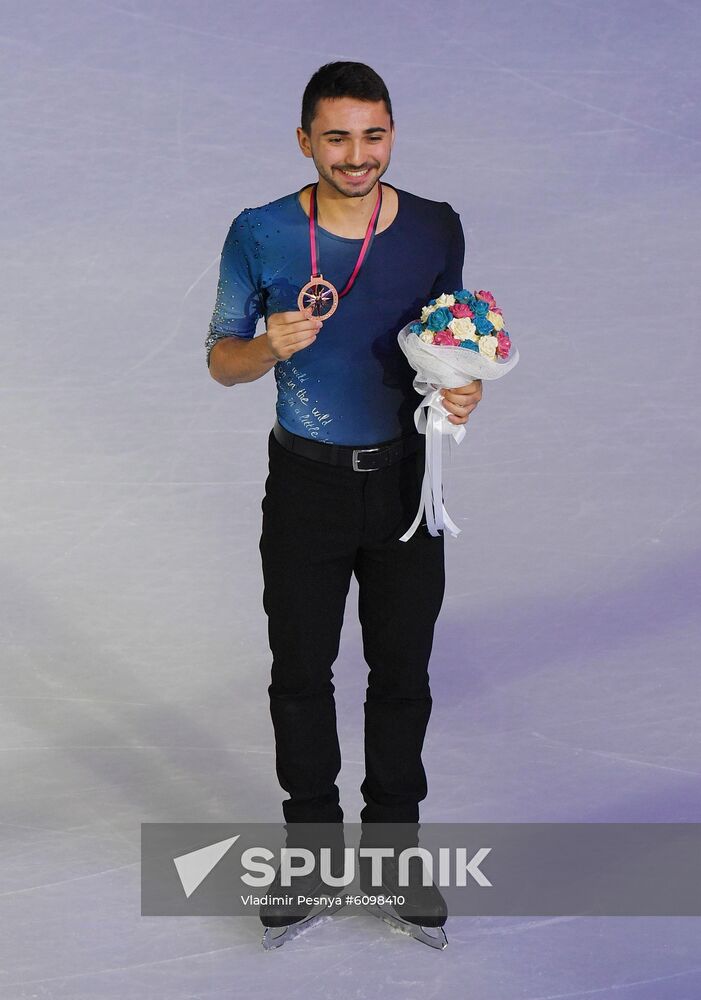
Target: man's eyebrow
x,y
339,131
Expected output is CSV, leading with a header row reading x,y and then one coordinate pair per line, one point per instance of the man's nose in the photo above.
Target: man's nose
x,y
357,153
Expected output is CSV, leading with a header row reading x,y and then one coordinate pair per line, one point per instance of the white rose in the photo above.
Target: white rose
x,y
426,312
488,346
496,320
426,336
444,300
462,328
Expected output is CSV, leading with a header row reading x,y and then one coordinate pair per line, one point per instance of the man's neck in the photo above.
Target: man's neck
x,y
342,212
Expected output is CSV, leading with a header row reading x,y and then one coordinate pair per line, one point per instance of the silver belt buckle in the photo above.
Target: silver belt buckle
x,y
356,453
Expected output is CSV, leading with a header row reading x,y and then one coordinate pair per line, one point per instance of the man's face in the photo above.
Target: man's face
x,y
348,134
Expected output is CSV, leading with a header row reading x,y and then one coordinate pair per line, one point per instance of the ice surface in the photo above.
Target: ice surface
x,y
565,673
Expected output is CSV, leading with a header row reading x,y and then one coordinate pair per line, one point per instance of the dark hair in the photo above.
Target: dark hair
x,y
343,79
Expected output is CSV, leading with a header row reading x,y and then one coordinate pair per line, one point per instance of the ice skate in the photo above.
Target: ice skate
x,y
424,911
276,935
288,917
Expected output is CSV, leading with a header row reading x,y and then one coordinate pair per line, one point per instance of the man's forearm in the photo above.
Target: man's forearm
x,y
233,360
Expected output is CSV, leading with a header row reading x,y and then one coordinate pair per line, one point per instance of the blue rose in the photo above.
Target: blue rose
x,y
480,307
483,325
471,345
432,302
466,297
439,319
416,328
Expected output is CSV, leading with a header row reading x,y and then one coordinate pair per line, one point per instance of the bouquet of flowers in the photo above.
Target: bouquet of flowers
x,y
459,338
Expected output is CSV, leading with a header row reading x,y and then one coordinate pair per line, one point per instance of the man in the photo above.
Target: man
x,y
345,460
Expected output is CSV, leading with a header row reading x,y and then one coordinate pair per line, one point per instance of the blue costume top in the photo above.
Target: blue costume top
x,y
353,385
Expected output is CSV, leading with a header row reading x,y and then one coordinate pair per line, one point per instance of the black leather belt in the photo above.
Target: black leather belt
x,y
368,459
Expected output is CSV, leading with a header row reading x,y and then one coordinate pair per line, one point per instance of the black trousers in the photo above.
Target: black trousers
x,y
322,523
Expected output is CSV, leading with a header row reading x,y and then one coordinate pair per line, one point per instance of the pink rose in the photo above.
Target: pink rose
x,y
503,344
496,309
461,310
486,297
446,338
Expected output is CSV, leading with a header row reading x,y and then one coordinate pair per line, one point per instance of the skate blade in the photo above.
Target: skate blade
x,y
434,937
275,937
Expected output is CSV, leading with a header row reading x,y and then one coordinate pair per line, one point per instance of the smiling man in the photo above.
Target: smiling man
x,y
345,460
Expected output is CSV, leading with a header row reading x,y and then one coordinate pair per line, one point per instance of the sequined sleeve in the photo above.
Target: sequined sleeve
x,y
238,304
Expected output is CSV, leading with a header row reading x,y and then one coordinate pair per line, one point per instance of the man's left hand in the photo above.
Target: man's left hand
x,y
461,402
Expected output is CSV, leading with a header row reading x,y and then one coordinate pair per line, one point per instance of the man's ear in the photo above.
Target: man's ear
x,y
304,143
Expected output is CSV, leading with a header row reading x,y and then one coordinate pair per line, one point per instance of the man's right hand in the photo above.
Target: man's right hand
x,y
289,332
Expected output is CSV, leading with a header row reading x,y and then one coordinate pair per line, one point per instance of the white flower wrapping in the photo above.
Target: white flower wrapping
x,y
438,367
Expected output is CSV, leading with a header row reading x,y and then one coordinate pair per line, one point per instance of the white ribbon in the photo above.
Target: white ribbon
x,y
431,419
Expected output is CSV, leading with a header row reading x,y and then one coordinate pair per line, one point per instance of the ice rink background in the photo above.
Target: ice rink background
x,y
565,673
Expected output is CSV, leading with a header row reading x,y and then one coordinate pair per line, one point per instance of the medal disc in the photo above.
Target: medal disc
x,y
321,295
